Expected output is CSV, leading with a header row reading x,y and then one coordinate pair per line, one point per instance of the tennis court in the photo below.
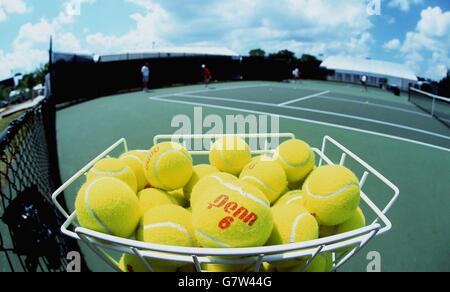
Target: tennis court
x,y
407,144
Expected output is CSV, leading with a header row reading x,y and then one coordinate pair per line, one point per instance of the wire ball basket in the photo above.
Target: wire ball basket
x,y
103,244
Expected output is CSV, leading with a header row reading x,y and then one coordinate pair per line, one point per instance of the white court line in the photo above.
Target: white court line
x,y
304,98
308,121
210,90
317,111
376,105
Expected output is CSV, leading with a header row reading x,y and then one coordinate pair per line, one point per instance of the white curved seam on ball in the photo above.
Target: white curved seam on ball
x,y
91,210
247,195
293,165
334,194
155,167
210,238
294,199
133,157
171,225
260,182
110,173
295,225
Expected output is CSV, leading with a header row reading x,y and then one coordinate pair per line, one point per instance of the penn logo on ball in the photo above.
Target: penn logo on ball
x,y
233,208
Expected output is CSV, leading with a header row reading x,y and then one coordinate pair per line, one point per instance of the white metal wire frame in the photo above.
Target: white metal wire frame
x,y
101,243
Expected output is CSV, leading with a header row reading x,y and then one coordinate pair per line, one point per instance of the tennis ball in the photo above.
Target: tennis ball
x,y
327,231
179,197
108,205
268,176
233,215
297,159
167,225
332,194
292,223
357,221
168,166
204,185
132,264
135,161
151,198
230,154
112,167
199,172
293,197
225,268
322,263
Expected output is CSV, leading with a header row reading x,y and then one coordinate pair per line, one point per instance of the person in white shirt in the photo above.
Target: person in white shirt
x,y
364,82
145,76
296,74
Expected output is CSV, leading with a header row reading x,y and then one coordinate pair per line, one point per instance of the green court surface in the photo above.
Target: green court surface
x,y
405,144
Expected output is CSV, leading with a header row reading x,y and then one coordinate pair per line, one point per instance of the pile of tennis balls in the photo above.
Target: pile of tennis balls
x,y
237,201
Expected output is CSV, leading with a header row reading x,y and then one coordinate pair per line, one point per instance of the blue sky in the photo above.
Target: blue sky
x,y
414,32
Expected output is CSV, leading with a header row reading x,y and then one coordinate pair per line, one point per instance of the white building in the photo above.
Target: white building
x,y
379,73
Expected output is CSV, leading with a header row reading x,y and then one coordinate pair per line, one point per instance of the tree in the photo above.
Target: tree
x,y
284,55
444,86
310,67
4,92
257,53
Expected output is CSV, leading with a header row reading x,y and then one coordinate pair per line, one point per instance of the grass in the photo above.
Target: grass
x,y
5,122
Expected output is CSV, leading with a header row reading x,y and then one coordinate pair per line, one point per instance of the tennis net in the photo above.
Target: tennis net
x,y
437,106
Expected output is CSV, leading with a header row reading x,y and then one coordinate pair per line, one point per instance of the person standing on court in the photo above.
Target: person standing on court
x,y
207,76
364,82
145,71
296,74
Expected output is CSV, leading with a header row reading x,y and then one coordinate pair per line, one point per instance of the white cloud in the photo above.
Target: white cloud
x,y
12,7
434,22
299,25
426,48
404,5
30,47
393,44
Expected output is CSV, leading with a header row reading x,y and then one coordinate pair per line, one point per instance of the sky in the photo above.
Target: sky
x,y
411,32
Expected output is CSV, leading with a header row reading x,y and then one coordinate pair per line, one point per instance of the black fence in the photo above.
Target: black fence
x,y
30,239
77,77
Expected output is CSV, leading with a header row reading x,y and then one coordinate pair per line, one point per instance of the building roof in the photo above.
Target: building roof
x,y
171,52
369,66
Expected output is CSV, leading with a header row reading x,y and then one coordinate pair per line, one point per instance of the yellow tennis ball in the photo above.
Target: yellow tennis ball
x,y
293,197
327,231
332,194
112,167
135,161
200,171
233,215
204,185
356,221
292,223
297,159
168,166
151,198
132,264
268,176
179,197
108,205
322,263
230,154
225,268
167,225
